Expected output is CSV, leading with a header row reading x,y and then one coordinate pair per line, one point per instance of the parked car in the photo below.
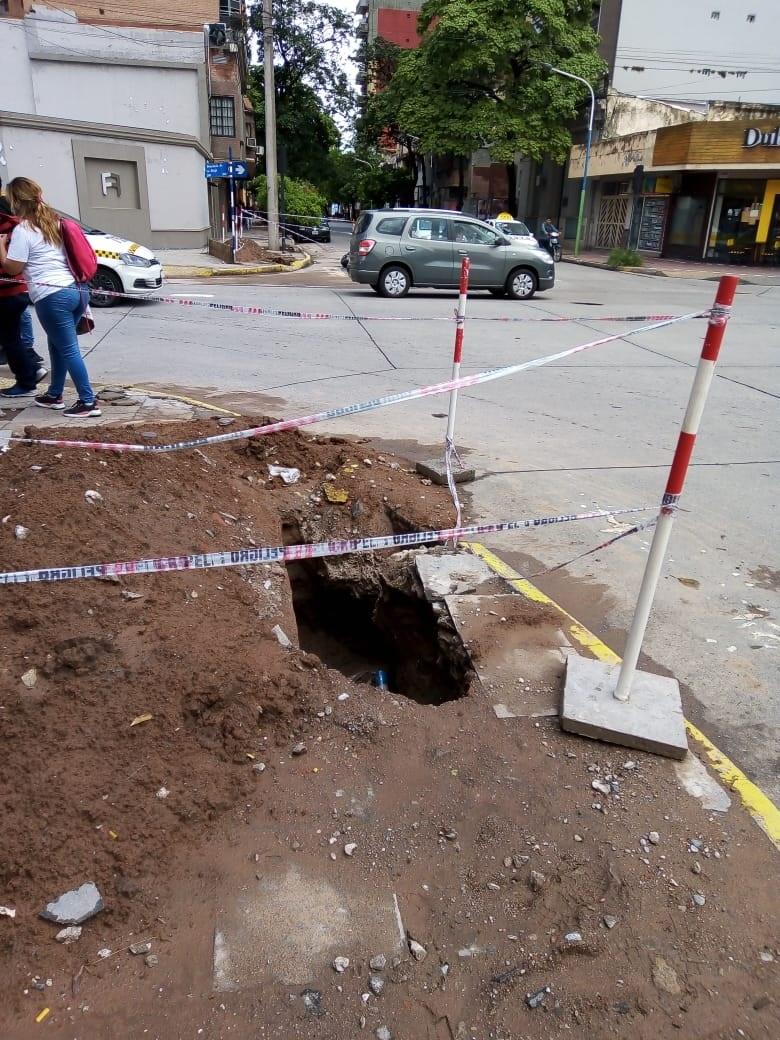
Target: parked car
x,y
123,266
393,249
301,232
515,230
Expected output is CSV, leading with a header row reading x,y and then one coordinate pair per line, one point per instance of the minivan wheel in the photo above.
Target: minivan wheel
x,y
521,284
394,281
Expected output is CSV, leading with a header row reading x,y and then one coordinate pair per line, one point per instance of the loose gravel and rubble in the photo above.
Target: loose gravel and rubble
x,y
538,885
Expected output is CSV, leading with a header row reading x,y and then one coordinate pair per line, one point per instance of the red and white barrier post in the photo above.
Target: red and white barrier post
x,y
674,485
460,319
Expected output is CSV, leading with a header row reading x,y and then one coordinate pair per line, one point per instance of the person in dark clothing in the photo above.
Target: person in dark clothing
x,y
16,331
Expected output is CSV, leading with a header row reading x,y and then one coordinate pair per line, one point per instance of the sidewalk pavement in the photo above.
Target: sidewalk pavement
x,y
197,263
665,268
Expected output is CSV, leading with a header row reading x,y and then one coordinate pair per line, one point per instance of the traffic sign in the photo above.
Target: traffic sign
x,y
238,170
217,169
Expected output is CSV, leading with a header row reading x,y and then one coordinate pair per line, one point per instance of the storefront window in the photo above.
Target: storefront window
x,y
687,228
735,221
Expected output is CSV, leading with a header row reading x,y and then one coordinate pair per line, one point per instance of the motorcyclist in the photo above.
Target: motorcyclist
x,y
550,238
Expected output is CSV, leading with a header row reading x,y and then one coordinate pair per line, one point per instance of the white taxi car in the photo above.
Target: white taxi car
x,y
123,267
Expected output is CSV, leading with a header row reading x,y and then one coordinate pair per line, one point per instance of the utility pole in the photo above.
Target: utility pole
x,y
270,125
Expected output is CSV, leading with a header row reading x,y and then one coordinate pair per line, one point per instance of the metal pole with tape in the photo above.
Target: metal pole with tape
x,y
674,485
460,318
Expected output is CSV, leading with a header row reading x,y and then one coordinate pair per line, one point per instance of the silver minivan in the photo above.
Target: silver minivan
x,y
393,249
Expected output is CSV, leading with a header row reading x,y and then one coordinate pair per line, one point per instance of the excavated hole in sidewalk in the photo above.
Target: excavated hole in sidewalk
x,y
359,625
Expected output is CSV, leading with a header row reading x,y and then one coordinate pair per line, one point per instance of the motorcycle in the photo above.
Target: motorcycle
x,y
552,243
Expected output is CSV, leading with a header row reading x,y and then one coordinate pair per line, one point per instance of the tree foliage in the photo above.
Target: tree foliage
x,y
367,179
479,80
301,199
311,84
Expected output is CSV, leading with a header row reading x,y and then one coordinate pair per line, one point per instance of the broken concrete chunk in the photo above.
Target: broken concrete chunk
x,y
140,948
341,964
378,963
30,678
665,977
93,497
376,985
281,637
535,1000
536,881
298,749
151,959
76,906
68,935
417,950
383,1033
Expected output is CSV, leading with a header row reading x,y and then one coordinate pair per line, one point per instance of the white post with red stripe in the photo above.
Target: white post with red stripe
x,y
460,319
674,485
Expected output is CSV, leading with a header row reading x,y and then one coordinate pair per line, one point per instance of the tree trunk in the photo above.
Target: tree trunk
x,y
461,181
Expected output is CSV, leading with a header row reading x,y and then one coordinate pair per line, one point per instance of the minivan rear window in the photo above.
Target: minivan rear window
x,y
363,222
391,226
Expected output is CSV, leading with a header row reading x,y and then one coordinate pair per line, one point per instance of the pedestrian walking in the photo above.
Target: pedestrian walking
x,y
36,250
16,331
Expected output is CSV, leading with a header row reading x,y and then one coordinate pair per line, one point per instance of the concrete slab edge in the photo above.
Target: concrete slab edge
x,y
759,806
654,272
232,270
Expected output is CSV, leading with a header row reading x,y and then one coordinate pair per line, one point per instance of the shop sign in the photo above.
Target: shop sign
x,y
766,138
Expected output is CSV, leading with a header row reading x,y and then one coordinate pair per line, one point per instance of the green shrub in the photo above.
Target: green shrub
x,y
301,200
624,258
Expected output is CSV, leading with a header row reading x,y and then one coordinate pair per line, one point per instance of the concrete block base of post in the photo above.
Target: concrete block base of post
x,y
651,720
436,470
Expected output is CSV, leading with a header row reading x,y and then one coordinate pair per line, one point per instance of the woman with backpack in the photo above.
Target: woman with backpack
x,y
37,248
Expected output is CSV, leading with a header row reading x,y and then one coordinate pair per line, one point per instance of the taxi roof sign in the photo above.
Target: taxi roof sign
x,y
505,216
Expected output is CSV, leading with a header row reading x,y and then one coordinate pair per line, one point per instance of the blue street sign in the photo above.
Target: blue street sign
x,y
237,170
217,169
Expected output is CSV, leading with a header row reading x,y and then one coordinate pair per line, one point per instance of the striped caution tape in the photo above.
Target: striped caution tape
x,y
643,525
351,409
289,553
279,312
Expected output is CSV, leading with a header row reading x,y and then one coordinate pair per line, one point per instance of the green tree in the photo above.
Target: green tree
x,y
312,86
479,80
302,200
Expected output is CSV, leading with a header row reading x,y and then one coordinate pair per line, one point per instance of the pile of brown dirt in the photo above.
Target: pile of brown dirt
x,y
194,650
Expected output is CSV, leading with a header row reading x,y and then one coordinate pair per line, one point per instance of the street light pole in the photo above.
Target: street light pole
x,y
270,126
583,189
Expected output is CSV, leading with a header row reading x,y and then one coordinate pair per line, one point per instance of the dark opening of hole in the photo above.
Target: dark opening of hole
x,y
360,630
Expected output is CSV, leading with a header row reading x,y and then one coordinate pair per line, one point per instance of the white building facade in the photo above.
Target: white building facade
x,y
113,123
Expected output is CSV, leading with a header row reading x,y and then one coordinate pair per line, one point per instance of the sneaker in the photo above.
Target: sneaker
x,y
81,410
47,401
41,373
17,391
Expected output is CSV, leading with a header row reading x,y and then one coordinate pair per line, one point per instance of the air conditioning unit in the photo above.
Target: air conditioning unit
x,y
251,142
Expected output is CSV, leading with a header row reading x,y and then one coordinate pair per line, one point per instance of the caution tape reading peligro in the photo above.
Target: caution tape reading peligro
x,y
286,553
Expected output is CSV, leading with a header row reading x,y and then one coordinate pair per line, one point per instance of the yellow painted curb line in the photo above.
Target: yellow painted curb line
x,y
184,271
761,808
185,400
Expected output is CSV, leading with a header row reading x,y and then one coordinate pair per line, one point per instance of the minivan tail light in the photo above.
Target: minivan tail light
x,y
366,246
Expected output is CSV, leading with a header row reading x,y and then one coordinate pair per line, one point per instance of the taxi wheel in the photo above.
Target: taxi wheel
x,y
104,279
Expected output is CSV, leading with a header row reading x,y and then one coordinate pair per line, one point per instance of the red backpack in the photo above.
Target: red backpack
x,y
80,254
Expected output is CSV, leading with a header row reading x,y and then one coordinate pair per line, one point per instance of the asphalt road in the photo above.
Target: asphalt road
x,y
597,429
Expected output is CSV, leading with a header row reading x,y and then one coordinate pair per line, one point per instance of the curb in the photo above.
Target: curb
x,y
760,807
234,270
656,272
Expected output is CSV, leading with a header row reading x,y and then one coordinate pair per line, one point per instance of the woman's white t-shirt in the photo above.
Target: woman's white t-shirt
x,y
43,262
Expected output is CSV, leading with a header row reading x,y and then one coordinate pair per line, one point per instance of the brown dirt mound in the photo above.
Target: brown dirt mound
x,y
194,650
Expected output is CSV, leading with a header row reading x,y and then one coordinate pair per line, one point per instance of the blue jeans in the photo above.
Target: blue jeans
x,y
59,314
27,335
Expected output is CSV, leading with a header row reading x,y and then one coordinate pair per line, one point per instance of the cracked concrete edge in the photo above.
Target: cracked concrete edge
x,y
233,270
759,806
